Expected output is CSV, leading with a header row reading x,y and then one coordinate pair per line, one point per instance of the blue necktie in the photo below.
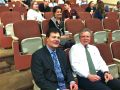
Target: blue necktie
x,y
58,71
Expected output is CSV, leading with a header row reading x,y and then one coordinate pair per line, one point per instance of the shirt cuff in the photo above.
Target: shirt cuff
x,y
72,82
106,72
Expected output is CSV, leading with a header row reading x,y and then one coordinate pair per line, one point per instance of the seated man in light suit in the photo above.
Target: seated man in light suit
x,y
49,65
92,72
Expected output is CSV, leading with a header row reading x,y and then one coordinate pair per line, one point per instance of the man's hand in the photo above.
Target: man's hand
x,y
93,78
73,86
108,76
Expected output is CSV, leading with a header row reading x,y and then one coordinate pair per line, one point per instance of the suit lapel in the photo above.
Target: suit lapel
x,y
48,58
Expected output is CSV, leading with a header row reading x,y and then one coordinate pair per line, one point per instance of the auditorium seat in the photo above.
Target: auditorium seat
x,y
45,26
99,34
113,15
13,4
5,41
8,17
22,10
3,9
115,49
74,26
48,15
107,56
113,25
84,15
22,30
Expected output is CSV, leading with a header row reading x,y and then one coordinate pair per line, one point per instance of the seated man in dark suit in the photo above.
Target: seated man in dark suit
x,y
44,7
49,66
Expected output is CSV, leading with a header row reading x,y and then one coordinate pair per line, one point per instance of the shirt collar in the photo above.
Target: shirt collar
x,y
50,50
87,46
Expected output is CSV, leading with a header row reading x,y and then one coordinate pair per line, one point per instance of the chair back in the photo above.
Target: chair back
x,y
48,15
113,15
74,25
10,17
84,15
26,29
111,24
94,24
115,48
45,26
22,10
3,9
105,53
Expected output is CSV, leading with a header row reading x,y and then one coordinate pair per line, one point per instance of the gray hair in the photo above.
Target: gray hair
x,y
85,30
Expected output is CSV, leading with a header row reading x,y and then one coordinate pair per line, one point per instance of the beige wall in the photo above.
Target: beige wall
x,y
106,1
110,1
38,0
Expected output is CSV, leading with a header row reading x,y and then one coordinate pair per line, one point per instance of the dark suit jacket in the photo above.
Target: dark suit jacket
x,y
42,8
42,69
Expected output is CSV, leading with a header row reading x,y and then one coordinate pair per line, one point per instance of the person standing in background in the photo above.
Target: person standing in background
x,y
44,7
100,11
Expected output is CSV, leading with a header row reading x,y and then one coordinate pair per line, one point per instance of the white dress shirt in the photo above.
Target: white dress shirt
x,y
79,63
34,15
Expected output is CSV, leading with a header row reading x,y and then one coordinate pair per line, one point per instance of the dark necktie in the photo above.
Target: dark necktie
x,y
58,71
90,62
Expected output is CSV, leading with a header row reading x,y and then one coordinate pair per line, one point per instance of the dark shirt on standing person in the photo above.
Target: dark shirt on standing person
x,y
44,8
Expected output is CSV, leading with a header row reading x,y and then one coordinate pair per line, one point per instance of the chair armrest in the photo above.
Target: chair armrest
x,y
43,35
107,30
67,32
116,60
15,38
111,65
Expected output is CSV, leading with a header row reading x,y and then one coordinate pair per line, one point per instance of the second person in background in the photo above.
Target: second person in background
x,y
69,13
100,11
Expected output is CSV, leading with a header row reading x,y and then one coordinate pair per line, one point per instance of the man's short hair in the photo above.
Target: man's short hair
x,y
52,30
85,30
